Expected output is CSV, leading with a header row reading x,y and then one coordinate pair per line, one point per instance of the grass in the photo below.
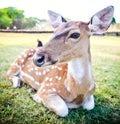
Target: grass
x,y
16,106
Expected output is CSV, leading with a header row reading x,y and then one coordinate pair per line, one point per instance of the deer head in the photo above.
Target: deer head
x,y
71,39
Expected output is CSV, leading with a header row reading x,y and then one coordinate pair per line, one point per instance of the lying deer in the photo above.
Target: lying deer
x,y
61,70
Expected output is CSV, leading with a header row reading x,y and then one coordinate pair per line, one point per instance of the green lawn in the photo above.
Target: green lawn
x,y
16,106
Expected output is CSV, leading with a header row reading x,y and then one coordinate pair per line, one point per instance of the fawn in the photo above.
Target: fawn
x,y
61,70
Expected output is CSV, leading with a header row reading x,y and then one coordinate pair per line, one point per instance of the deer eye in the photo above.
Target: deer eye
x,y
75,35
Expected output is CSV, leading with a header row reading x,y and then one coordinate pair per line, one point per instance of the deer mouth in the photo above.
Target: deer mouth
x,y
43,60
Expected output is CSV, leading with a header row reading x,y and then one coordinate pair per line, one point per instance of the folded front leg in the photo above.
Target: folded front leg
x,y
55,103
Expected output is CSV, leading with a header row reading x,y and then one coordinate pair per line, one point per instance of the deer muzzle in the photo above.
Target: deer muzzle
x,y
43,59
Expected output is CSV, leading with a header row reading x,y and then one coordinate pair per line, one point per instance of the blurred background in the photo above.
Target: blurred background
x,y
32,14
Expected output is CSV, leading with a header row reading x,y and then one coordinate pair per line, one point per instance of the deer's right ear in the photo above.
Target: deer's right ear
x,y
55,18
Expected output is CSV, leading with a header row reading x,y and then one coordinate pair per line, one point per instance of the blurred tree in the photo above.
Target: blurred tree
x,y
17,23
30,22
13,13
5,22
13,18
9,15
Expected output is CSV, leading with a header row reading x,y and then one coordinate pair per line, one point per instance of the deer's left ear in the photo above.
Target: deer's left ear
x,y
101,21
55,18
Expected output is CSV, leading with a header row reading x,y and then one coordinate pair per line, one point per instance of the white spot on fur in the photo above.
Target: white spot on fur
x,y
29,70
30,58
36,68
56,66
44,72
47,84
52,67
59,68
32,50
50,79
43,90
28,66
56,77
59,78
39,73
47,70
53,89
22,60
25,55
36,73
30,54
47,78
49,90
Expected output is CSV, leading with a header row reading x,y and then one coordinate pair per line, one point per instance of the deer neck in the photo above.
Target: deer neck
x,y
79,70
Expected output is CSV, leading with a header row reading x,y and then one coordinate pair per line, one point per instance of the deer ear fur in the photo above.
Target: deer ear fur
x,y
55,18
101,21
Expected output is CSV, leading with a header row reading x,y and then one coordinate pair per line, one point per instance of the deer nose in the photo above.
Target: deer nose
x,y
39,60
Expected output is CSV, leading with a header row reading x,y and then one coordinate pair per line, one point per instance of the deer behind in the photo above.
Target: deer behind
x,y
69,82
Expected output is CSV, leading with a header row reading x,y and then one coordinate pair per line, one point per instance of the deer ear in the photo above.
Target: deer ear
x,y
55,18
101,21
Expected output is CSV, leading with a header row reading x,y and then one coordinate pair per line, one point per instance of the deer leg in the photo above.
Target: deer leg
x,y
13,75
89,103
16,81
54,103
